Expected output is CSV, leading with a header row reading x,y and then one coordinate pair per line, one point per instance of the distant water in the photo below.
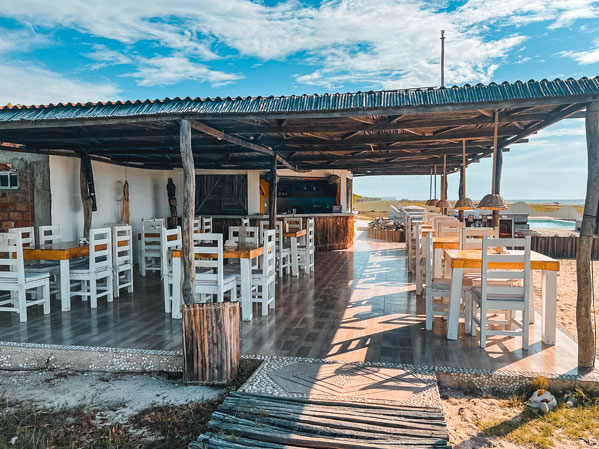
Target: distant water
x,y
571,202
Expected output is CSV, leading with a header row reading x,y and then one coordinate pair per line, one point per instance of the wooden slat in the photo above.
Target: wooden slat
x,y
246,420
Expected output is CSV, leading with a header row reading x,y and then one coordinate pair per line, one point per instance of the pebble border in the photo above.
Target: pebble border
x,y
31,356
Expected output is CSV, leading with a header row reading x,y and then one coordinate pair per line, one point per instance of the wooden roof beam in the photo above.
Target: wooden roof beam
x,y
199,126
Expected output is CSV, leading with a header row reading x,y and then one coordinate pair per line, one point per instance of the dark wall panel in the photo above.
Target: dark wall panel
x,y
221,194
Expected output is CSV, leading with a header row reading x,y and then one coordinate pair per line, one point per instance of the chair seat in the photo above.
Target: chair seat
x,y
84,268
29,277
445,283
227,278
477,293
42,268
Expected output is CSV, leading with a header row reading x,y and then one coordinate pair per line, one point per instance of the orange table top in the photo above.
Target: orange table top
x,y
446,243
239,252
296,233
61,251
472,258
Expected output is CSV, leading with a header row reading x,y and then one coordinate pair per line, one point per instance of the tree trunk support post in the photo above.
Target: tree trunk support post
x,y
86,201
189,187
584,324
497,166
461,192
272,194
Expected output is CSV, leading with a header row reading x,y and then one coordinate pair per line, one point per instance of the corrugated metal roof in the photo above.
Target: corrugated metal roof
x,y
308,103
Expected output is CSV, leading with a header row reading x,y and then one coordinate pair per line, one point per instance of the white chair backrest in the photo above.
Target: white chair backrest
x,y
269,259
100,248
440,218
27,235
472,238
429,258
151,231
293,223
310,243
50,234
122,250
245,221
209,267
520,254
171,239
264,226
252,236
207,224
197,225
12,266
449,228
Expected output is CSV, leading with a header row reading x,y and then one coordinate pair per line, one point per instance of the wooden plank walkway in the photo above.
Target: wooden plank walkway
x,y
246,420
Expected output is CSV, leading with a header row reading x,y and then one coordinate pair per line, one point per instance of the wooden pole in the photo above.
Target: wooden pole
x,y
495,185
430,186
272,195
584,323
462,188
444,182
189,187
86,200
435,196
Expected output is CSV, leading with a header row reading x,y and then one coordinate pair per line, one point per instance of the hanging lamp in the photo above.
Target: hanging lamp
x,y
443,203
493,201
464,203
433,201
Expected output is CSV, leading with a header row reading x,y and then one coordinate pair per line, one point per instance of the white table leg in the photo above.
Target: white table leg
x,y
294,259
246,290
65,285
454,303
437,264
175,306
549,309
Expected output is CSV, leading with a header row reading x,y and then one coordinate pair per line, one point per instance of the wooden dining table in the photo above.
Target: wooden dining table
x,y
63,252
458,260
245,253
293,235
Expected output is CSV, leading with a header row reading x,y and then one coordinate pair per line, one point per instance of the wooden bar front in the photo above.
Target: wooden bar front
x,y
331,231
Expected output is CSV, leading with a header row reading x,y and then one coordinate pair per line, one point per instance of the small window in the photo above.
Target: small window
x,y
9,180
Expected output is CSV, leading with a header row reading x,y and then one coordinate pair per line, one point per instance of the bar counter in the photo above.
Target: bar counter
x,y
331,231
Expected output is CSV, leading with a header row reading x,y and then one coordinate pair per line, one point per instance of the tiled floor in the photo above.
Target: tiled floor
x,y
359,305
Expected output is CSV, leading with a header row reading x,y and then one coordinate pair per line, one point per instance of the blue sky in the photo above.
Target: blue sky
x,y
76,50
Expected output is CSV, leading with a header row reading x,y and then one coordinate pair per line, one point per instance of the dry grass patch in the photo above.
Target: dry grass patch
x,y
508,423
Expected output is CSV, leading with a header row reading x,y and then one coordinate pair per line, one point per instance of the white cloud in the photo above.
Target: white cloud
x,y
105,56
583,57
377,43
28,84
164,70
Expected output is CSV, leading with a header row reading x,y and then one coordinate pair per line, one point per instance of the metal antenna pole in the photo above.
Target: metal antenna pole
x,y
442,58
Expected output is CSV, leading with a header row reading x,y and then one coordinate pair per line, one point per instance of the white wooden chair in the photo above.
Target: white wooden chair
x,y
50,267
283,251
122,259
472,238
49,234
171,239
15,281
263,280
420,254
210,276
97,268
295,224
197,225
306,252
446,228
149,248
250,235
438,291
503,297
245,221
207,225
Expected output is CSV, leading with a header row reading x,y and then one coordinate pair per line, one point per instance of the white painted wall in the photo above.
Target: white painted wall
x,y
147,195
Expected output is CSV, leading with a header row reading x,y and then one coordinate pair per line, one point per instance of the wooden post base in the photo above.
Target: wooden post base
x,y
211,343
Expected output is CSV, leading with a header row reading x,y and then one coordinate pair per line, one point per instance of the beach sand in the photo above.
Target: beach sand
x,y
566,295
